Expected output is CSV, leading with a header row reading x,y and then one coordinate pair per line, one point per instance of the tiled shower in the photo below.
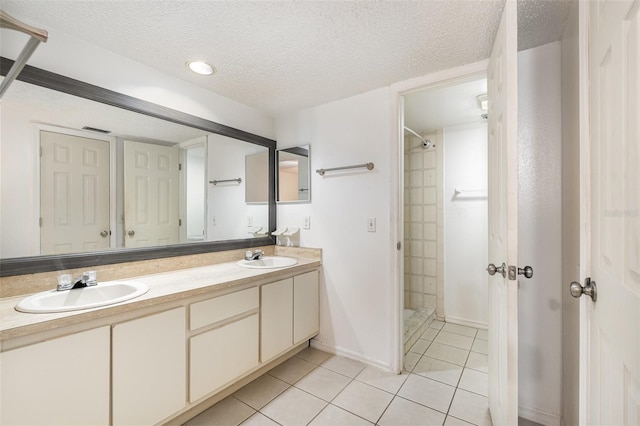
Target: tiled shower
x,y
423,236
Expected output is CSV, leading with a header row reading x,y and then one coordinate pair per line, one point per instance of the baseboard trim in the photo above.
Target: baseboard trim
x,y
350,354
539,416
468,323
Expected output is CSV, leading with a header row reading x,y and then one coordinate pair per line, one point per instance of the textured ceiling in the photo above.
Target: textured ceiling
x,y
284,55
444,106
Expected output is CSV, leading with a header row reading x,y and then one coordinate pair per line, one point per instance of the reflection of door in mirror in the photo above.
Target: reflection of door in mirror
x,y
151,194
194,192
74,194
257,178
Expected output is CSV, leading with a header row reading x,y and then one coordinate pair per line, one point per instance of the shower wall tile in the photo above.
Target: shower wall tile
x,y
430,195
423,182
429,213
429,159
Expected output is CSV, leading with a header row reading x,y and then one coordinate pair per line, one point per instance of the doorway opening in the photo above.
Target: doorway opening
x,y
444,210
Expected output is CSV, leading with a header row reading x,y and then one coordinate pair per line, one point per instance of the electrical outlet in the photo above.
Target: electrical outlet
x,y
249,221
306,222
371,224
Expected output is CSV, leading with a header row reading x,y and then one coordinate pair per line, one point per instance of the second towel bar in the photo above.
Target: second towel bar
x,y
369,166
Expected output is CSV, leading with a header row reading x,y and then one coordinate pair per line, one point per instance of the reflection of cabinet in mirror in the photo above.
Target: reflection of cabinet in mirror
x,y
294,182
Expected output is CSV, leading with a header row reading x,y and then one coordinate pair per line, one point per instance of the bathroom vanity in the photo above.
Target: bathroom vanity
x,y
195,337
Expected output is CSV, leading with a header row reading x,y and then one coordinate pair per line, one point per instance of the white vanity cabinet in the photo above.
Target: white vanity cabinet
x,y
148,368
306,306
289,313
276,318
224,342
63,381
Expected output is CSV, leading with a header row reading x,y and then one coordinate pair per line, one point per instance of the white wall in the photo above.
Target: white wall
x,y
356,284
466,221
540,233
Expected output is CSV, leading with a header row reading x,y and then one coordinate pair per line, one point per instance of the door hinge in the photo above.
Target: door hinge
x,y
179,166
179,222
399,245
41,151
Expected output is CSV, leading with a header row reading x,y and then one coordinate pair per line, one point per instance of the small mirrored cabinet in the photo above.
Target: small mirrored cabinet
x,y
294,179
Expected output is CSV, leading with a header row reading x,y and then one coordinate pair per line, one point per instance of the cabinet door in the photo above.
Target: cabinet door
x,y
305,306
149,368
63,381
276,315
221,355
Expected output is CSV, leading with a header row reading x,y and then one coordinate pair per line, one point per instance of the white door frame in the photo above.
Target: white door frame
x,y
38,127
396,168
585,210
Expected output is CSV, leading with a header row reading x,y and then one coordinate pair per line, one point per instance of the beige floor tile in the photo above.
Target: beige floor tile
x,y
438,370
404,412
455,340
293,407
363,400
447,353
410,361
460,329
259,419
427,392
323,383
480,346
452,421
482,334
344,366
229,411
292,370
336,416
526,422
436,325
478,362
470,407
388,382
261,391
475,381
420,346
314,355
429,334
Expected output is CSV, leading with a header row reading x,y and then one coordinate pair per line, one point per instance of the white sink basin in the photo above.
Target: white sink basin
x,y
268,262
82,298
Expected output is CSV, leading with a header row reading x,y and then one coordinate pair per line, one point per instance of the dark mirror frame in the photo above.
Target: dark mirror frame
x,y
60,83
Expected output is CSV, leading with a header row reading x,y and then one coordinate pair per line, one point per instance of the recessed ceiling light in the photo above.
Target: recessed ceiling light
x,y
200,67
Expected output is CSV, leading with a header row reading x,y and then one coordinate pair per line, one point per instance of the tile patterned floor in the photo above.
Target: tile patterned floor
x,y
444,383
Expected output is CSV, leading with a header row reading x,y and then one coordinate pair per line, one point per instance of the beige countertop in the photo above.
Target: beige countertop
x,y
163,287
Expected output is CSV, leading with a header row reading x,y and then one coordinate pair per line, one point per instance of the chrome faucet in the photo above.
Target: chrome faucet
x,y
87,279
249,255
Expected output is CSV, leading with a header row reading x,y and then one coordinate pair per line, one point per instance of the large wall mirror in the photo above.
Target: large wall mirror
x,y
294,178
126,179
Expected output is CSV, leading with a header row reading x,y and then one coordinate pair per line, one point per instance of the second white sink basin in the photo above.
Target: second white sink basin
x,y
105,294
268,262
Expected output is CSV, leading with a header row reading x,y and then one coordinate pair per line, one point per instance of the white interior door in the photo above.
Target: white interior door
x,y
613,321
74,194
503,220
151,200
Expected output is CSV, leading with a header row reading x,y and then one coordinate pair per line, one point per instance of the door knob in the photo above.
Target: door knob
x,y
104,233
492,269
131,233
527,271
589,289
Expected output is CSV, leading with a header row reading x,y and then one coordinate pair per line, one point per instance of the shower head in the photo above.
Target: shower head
x,y
426,143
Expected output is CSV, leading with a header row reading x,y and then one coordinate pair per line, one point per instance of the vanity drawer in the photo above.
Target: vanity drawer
x,y
222,307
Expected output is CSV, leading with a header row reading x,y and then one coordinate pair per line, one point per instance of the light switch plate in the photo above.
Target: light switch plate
x,y
306,223
371,224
